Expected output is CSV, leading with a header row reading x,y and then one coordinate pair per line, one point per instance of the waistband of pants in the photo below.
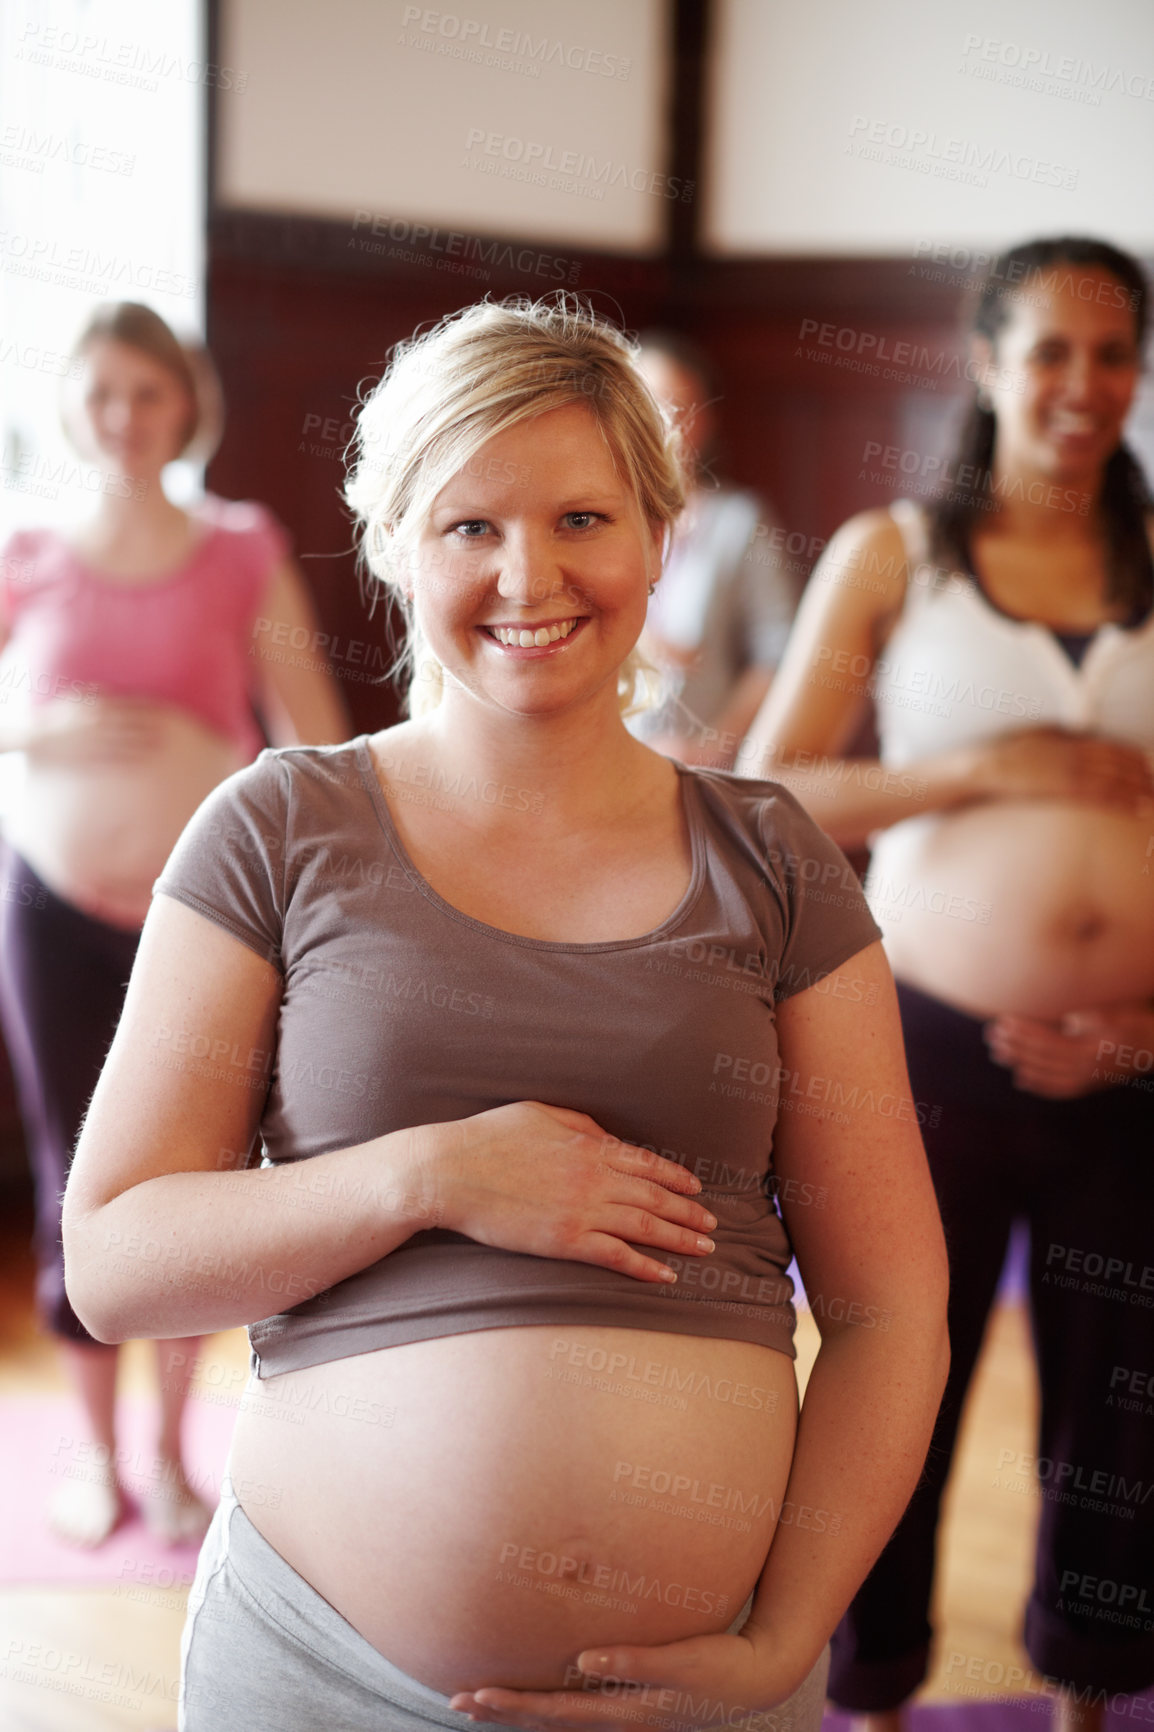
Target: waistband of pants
x,y
47,906
949,1062
310,1620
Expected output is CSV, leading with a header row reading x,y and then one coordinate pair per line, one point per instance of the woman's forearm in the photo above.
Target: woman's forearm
x,y
852,797
862,1438
189,1253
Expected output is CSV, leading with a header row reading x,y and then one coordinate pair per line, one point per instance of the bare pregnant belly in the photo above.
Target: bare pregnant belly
x,y
99,833
1034,907
482,1507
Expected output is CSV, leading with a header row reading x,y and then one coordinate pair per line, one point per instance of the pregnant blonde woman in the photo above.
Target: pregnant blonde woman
x,y
522,1440
1006,638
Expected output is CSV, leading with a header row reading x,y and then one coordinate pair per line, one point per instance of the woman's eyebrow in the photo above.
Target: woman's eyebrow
x,y
576,501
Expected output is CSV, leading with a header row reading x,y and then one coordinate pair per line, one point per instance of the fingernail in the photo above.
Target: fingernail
x,y
704,1244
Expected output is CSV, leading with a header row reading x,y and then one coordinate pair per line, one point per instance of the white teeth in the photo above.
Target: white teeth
x,y
532,639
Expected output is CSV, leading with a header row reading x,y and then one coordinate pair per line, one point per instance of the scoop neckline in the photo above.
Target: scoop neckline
x,y
973,577
690,808
1054,631
190,561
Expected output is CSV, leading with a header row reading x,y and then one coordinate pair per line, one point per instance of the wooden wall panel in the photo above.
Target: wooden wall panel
x,y
298,319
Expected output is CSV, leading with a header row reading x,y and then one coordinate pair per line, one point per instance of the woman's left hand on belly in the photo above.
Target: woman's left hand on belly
x,y
1087,1051
702,1681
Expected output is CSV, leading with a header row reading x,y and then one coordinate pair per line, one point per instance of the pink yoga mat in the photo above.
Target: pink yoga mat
x,y
42,1442
1002,1711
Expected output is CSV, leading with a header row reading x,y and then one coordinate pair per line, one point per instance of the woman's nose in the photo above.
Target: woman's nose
x,y
1081,375
117,414
526,574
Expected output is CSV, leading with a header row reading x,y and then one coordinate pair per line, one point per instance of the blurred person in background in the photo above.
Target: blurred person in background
x,y
719,619
133,649
1005,636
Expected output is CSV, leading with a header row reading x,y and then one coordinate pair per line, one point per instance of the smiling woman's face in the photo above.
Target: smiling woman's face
x,y
132,412
1067,366
530,581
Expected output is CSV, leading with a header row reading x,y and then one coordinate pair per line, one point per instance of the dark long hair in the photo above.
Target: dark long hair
x,y
1126,496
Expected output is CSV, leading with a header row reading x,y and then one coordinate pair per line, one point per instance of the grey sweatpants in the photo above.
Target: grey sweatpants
x,y
262,1651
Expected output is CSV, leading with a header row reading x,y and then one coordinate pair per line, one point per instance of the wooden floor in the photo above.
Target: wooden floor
x,y
987,1548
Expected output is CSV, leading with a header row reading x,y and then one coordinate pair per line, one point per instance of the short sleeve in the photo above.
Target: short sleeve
x,y
258,544
271,542
228,863
827,918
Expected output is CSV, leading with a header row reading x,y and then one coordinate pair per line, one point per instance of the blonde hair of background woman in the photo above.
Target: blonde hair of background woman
x,y
472,376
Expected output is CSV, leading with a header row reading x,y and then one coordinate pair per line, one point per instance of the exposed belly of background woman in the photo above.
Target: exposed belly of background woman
x,y
98,832
1034,908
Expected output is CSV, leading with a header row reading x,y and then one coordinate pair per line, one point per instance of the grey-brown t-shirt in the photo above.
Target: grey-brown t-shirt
x,y
399,1010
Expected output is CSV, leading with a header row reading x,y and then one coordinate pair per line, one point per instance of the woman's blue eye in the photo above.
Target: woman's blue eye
x,y
588,516
470,524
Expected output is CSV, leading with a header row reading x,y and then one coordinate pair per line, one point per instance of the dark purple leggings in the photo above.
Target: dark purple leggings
x,y
62,981
1082,1175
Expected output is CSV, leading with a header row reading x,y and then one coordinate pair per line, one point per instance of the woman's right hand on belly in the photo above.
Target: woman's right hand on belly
x,y
550,1182
71,731
1052,763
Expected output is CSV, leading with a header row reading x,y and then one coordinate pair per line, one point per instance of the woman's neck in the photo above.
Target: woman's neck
x,y
146,509
142,528
584,765
1032,506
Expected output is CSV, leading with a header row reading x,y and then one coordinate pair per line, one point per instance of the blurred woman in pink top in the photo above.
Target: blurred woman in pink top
x,y
131,660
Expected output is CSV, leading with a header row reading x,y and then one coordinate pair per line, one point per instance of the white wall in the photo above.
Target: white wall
x,y
898,126
536,119
101,198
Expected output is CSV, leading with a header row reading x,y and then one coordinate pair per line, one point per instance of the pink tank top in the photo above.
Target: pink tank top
x,y
183,640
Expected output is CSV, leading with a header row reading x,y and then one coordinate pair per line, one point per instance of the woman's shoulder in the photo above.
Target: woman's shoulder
x,y
24,544
866,566
277,806
246,523
295,768
899,525
803,871
30,560
770,818
237,516
287,775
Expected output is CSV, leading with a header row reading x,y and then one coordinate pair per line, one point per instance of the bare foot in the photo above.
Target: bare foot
x,y
88,1506
172,1510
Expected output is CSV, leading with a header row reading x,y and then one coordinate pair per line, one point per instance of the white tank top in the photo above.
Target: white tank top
x,y
956,670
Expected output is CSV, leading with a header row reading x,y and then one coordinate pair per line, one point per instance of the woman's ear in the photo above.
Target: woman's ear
x,y
382,546
658,537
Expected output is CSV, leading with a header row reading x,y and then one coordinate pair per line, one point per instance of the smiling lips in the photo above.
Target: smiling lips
x,y
1067,421
520,637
